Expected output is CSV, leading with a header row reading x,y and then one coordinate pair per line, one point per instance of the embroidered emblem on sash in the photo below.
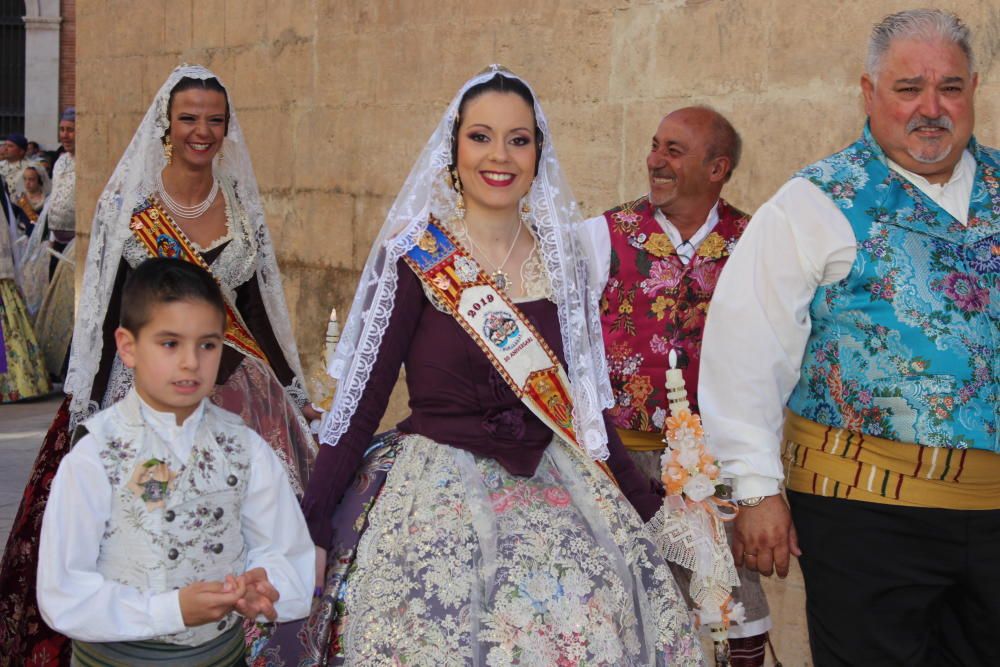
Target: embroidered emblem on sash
x,y
442,282
467,269
543,387
428,243
167,247
501,329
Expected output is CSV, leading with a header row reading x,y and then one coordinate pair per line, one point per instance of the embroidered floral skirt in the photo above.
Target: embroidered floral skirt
x,y
24,375
461,563
54,321
25,639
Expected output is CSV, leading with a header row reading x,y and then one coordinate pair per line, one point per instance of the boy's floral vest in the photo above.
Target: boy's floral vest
x,y
173,522
654,303
905,347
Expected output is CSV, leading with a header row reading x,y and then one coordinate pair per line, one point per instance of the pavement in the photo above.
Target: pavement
x,y
22,427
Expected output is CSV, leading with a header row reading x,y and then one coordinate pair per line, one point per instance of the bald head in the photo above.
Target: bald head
x,y
720,137
693,154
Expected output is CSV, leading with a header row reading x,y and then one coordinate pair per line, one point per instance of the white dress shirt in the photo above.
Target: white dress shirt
x,y
759,323
78,601
596,238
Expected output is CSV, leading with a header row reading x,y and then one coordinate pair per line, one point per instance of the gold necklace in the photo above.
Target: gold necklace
x,y
500,277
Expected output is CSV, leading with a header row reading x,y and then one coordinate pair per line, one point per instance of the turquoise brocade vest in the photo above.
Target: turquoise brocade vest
x,y
905,346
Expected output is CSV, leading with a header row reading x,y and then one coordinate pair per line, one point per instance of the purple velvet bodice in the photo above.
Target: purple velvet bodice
x,y
456,397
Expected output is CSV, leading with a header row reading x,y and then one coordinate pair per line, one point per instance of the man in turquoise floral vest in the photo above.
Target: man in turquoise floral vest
x,y
660,258
864,298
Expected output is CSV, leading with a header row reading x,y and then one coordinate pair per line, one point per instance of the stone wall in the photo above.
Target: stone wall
x,y
67,54
337,98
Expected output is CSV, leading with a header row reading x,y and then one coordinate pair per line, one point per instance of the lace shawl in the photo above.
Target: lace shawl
x,y
427,191
133,180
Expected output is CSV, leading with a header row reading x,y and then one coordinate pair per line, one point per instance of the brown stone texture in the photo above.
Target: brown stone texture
x,y
67,54
337,98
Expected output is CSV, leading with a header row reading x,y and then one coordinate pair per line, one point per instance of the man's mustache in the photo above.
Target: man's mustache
x,y
944,122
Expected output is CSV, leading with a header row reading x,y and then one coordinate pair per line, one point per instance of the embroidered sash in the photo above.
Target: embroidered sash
x,y
163,238
838,463
517,351
28,209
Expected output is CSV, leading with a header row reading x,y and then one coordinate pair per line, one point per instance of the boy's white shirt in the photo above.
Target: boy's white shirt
x,y
75,599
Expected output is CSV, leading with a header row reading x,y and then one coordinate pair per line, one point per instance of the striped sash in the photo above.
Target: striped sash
x,y
225,650
161,237
511,343
837,463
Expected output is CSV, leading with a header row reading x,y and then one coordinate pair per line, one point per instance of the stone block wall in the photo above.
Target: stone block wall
x,y
337,98
67,54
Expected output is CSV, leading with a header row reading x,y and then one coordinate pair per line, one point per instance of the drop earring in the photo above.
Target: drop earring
x,y
168,151
460,201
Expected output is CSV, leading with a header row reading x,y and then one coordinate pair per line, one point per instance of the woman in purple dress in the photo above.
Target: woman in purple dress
x,y
489,529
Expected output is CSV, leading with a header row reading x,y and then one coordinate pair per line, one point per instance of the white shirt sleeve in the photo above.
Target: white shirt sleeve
x,y
74,598
758,326
275,533
595,240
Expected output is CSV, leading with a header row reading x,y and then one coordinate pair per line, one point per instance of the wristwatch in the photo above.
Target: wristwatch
x,y
753,501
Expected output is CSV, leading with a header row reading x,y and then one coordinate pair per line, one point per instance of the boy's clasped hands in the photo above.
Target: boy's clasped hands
x,y
249,594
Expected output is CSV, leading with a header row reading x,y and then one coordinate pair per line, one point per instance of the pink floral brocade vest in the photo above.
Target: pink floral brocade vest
x,y
654,303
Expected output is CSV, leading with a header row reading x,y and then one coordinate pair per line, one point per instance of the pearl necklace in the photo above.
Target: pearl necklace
x,y
187,212
499,276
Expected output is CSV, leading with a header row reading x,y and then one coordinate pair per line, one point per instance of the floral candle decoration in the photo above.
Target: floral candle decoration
x,y
689,527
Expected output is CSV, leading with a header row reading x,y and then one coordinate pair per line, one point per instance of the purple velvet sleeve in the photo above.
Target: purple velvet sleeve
x,y
640,490
336,465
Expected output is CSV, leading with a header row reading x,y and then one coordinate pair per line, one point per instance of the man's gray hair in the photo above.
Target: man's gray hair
x,y
919,24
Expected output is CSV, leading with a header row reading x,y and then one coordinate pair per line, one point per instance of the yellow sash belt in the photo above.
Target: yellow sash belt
x,y
836,463
642,441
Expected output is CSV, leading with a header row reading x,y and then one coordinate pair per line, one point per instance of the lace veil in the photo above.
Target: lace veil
x,y
427,191
131,183
30,253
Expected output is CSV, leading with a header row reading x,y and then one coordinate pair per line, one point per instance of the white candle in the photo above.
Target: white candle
x,y
332,336
676,394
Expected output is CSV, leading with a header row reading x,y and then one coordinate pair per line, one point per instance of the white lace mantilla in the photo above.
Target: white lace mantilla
x,y
426,192
249,252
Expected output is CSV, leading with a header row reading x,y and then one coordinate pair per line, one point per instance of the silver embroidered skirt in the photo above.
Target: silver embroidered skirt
x,y
461,563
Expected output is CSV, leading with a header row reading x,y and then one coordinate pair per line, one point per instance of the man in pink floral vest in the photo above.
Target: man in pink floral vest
x,y
660,257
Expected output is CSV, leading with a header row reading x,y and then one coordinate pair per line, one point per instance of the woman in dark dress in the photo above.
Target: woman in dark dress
x,y
184,188
486,530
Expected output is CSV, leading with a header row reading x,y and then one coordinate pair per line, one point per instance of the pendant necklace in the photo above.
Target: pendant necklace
x,y
187,212
500,277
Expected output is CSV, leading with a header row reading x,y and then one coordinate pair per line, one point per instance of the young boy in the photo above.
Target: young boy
x,y
170,516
